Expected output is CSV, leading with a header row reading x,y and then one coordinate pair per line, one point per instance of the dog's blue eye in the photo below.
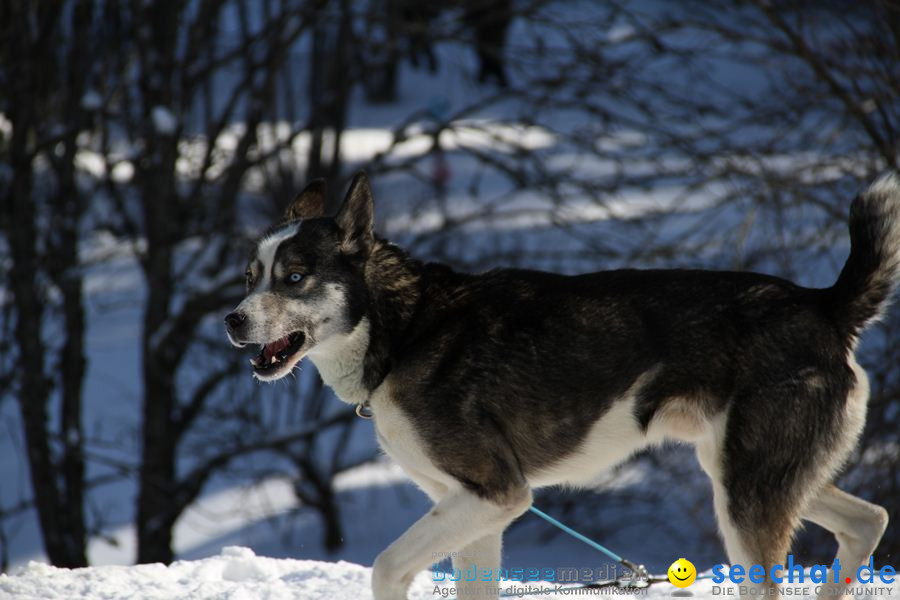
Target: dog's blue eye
x,y
295,277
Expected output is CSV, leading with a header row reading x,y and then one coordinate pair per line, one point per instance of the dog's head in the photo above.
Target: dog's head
x,y
305,280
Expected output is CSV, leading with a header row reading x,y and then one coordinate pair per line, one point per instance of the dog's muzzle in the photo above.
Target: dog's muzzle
x,y
276,357
234,322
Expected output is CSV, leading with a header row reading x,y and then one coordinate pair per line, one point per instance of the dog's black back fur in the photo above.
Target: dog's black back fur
x,y
544,355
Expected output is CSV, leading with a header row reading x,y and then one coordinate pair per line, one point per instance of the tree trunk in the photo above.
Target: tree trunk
x,y
156,505
64,269
329,89
320,496
156,508
156,499
58,503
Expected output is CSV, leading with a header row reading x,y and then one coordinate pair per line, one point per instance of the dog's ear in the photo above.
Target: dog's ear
x,y
356,218
309,204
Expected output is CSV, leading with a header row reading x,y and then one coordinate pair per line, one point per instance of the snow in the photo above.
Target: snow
x,y
92,163
238,573
122,172
92,100
620,33
5,127
163,120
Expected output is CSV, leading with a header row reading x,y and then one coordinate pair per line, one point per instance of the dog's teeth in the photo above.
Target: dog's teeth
x,y
274,360
254,362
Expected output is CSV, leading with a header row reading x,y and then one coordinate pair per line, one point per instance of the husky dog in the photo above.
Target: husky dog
x,y
485,387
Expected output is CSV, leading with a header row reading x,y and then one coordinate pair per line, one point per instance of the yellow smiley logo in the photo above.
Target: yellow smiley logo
x,y
682,573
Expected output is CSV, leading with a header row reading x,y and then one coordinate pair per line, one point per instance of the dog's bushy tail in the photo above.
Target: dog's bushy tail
x,y
872,272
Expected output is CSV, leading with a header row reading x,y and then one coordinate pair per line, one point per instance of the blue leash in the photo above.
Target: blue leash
x,y
639,578
639,575
576,535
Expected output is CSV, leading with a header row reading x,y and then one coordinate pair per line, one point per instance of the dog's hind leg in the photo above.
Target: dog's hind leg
x,y
858,525
756,527
459,519
778,446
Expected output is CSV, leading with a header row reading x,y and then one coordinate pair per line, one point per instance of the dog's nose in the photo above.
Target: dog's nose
x,y
234,320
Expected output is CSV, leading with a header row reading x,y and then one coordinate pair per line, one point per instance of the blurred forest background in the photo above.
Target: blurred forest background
x,y
144,144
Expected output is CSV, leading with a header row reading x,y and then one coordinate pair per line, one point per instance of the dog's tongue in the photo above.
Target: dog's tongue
x,y
273,348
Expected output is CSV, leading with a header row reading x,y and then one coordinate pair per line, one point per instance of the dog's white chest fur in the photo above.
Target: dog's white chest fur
x,y
340,361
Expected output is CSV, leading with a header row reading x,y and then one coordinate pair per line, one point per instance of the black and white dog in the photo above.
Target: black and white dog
x,y
484,387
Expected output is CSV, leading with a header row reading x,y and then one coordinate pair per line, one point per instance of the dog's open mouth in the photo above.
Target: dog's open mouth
x,y
274,355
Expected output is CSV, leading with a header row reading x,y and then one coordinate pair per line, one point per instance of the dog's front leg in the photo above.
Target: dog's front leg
x,y
480,559
456,521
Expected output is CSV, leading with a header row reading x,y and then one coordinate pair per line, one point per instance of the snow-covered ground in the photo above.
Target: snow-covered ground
x,y
237,573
